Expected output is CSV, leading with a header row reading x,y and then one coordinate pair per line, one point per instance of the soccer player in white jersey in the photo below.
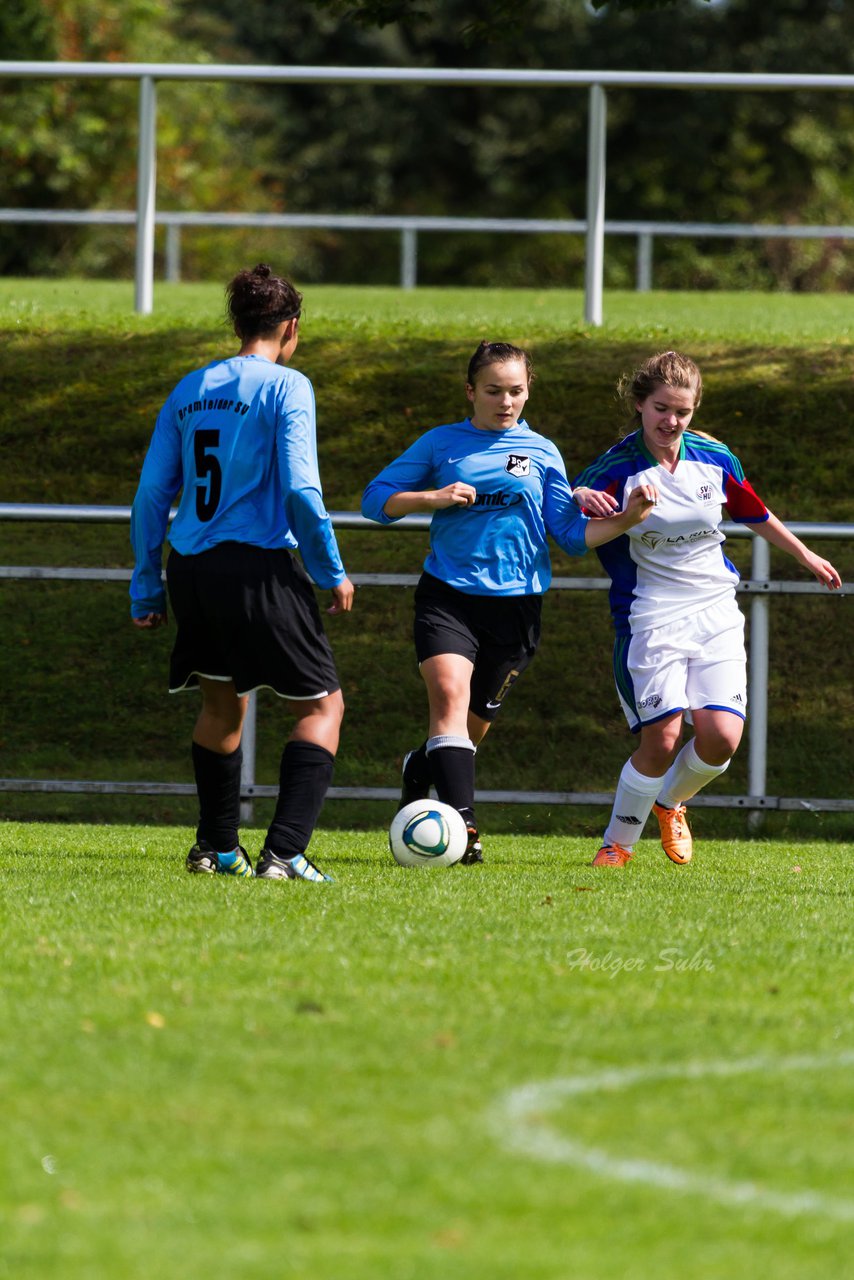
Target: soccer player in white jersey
x,y
495,489
679,648
238,437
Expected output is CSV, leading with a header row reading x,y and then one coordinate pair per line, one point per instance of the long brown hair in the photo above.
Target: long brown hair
x,y
667,369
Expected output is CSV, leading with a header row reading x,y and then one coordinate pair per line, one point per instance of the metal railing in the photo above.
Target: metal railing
x,y
596,82
409,227
759,586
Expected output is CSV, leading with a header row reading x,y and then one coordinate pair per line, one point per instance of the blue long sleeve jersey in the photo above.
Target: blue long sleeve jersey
x,y
239,438
498,545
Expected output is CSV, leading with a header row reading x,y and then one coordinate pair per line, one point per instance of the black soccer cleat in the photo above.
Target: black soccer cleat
x,y
474,848
204,860
273,867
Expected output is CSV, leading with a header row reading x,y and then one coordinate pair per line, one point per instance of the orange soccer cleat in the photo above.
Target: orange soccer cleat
x,y
676,838
612,855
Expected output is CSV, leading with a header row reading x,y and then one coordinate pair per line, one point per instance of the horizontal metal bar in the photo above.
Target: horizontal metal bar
x,y
60,513
51,573
423,76
414,222
97,217
86,514
733,230
392,795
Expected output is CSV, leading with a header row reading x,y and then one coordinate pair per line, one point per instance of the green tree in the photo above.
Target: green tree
x,y
71,143
672,155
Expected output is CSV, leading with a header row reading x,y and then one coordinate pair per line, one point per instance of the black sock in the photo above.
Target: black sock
x,y
453,775
304,778
218,787
417,772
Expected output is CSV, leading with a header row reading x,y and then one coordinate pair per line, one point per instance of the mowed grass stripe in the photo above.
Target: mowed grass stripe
x,y
216,1077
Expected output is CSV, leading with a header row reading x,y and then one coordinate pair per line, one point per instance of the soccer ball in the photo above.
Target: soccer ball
x,y
428,833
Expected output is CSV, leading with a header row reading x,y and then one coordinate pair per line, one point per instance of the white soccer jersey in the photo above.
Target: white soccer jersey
x,y
672,564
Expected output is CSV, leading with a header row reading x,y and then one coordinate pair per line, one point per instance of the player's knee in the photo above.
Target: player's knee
x,y
718,748
717,753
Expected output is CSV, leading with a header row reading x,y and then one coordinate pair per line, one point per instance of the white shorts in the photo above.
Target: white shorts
x,y
696,662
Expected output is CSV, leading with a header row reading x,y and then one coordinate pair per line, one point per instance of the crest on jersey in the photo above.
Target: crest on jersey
x,y
518,464
705,493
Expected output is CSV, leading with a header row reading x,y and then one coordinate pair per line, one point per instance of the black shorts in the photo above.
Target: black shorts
x,y
248,614
499,634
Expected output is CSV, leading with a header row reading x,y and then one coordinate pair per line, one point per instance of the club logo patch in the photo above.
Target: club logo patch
x,y
705,493
518,464
653,701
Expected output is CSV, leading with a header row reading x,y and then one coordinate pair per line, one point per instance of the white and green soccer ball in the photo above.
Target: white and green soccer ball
x,y
427,833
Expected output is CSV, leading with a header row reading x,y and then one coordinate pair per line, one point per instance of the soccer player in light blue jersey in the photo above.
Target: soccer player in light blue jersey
x,y
679,652
496,490
237,441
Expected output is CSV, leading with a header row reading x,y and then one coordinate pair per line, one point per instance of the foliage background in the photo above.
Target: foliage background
x,y
673,155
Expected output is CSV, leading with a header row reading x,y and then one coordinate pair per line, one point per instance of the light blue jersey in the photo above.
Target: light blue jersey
x,y
498,546
239,438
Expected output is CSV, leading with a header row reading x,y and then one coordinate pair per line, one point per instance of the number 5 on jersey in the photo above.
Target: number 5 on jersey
x,y
209,472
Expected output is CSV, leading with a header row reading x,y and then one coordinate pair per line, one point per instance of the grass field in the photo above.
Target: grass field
x,y
530,1070
78,306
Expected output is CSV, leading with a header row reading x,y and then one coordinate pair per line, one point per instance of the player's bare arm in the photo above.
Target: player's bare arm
x,y
641,502
775,532
456,494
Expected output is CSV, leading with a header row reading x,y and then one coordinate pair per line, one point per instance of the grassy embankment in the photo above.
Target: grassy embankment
x,y
83,379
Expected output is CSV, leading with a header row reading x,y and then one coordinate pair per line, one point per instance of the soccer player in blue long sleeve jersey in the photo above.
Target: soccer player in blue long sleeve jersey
x,y
495,490
679,648
237,440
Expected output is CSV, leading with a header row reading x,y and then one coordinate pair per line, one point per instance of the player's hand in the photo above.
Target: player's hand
x,y
151,621
641,502
342,597
825,572
595,501
454,495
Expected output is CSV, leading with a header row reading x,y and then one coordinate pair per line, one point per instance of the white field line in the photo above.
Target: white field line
x,y
519,1121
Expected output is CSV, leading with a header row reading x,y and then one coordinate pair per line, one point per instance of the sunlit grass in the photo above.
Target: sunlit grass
x,y
206,1077
79,305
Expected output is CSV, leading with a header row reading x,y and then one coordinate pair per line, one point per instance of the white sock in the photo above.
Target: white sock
x,y
686,776
449,740
632,806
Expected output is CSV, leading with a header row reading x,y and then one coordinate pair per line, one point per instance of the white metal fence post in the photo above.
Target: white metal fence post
x,y
146,178
247,767
595,264
757,704
408,257
644,276
173,253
